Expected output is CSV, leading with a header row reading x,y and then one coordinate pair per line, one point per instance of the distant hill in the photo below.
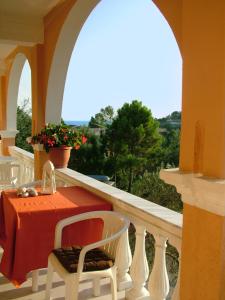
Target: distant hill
x,y
172,121
77,123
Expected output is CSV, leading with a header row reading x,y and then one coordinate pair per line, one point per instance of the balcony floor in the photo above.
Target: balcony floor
x,y
9,292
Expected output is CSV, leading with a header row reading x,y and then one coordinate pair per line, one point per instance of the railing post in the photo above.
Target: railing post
x,y
159,283
123,262
139,269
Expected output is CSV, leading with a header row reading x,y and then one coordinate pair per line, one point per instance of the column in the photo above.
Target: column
x,y
7,139
203,238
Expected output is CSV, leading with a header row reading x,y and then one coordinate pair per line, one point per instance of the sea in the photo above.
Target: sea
x,y
76,123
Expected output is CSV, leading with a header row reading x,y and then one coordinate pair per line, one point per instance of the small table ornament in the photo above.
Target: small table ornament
x,y
27,192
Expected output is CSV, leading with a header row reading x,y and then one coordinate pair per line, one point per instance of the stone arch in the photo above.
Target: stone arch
x,y
13,88
61,58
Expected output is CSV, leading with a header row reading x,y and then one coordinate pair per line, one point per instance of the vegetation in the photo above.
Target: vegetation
x,y
24,125
130,150
131,138
171,121
103,118
57,135
152,188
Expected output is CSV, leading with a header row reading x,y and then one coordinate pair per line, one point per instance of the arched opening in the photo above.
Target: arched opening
x,y
24,108
57,76
13,90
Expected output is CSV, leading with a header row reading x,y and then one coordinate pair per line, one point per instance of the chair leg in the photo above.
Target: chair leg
x,y
113,284
96,286
49,281
71,287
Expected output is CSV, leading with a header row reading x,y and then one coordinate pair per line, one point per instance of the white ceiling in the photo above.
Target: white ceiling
x,y
21,23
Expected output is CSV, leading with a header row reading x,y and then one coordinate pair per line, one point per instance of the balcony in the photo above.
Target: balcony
x,y
134,281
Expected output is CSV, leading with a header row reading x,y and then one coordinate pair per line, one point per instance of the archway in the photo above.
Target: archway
x,y
13,89
61,58
57,76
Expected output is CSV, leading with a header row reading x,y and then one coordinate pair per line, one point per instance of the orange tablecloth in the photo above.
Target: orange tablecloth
x,y
27,227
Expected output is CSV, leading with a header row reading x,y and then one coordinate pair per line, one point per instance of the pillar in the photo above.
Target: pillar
x,y
38,104
7,139
200,178
203,237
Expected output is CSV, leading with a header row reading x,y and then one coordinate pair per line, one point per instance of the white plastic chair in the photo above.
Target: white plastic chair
x,y
115,225
9,175
48,185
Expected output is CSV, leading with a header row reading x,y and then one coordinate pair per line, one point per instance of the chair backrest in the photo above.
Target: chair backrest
x,y
115,224
9,174
48,178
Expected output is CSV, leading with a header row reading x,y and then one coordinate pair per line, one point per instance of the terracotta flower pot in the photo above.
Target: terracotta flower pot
x,y
60,156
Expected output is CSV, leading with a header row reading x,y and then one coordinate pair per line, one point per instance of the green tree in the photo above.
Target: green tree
x,y
171,121
152,188
90,158
172,147
24,125
132,136
103,118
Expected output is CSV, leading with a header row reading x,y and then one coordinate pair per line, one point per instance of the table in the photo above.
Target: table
x,y
27,227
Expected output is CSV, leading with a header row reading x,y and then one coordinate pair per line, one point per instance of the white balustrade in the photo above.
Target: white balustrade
x,y
164,224
123,263
139,269
26,161
159,282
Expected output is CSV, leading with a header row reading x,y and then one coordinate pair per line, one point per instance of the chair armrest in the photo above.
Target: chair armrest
x,y
98,244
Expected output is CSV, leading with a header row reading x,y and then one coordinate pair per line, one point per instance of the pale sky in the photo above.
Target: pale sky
x,y
125,51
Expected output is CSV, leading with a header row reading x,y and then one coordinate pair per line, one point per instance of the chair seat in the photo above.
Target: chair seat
x,y
95,259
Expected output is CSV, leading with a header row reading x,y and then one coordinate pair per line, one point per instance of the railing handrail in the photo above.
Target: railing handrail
x,y
162,218
20,152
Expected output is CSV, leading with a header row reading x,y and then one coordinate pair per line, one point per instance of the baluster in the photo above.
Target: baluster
x,y
159,282
123,262
176,293
139,269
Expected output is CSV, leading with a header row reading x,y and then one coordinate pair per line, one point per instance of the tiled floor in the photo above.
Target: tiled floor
x,y
9,292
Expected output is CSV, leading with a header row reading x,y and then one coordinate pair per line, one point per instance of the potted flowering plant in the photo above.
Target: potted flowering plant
x,y
58,140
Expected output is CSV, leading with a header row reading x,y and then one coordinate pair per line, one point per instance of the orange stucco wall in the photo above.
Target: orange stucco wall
x,y
203,255
173,14
203,47
6,142
53,24
39,57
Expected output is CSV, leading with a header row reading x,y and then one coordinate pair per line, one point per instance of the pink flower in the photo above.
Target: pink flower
x,y
83,139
